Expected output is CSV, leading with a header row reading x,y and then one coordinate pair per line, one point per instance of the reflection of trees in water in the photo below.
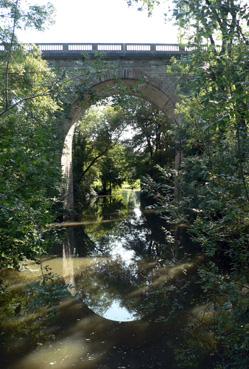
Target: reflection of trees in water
x,y
154,292
133,234
167,295
137,236
143,234
106,281
105,207
81,243
108,207
154,283
107,212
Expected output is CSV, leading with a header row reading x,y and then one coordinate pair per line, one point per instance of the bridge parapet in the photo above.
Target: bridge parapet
x,y
72,50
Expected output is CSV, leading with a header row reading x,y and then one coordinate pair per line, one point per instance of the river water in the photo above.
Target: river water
x,y
131,293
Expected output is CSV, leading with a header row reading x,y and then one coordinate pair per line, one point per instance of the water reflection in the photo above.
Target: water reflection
x,y
119,313
104,287
125,263
118,267
68,266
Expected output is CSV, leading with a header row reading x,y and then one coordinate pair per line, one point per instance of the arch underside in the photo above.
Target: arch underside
x,y
165,101
137,88
98,91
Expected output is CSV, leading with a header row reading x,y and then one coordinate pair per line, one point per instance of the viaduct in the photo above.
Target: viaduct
x,y
96,70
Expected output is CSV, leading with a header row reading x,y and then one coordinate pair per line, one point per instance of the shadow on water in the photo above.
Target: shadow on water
x,y
128,296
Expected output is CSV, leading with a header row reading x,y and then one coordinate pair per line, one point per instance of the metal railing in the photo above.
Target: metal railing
x,y
106,47
112,47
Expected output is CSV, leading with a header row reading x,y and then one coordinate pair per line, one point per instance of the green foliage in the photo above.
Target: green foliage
x,y
120,138
48,292
29,169
113,168
29,156
98,157
148,4
152,134
17,14
212,179
27,312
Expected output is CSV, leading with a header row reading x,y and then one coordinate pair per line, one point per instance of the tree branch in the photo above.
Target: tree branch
x,y
6,92
100,155
93,162
10,107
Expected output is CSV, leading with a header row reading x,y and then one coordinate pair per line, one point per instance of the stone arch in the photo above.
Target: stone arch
x,y
102,89
146,90
164,100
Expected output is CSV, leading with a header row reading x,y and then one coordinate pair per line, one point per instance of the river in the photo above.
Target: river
x,y
130,293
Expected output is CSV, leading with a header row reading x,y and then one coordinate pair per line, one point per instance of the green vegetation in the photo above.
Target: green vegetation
x,y
213,174
29,306
96,148
204,199
27,122
119,140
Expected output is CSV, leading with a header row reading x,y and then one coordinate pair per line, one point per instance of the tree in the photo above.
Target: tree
x,y
97,133
29,158
152,134
140,127
101,129
150,137
15,14
113,168
213,178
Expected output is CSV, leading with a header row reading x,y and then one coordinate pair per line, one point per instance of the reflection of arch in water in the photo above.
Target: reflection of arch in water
x,y
68,265
164,101
76,244
81,274
101,292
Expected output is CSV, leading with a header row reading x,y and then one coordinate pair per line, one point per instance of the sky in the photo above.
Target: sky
x,y
102,21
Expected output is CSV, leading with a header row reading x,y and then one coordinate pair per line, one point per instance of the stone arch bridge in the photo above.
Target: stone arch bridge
x,y
97,70
143,65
